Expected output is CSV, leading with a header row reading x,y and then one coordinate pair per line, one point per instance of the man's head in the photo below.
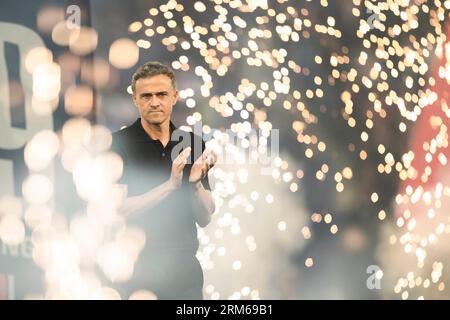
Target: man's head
x,y
154,92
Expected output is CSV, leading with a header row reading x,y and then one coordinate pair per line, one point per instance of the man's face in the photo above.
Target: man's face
x,y
155,97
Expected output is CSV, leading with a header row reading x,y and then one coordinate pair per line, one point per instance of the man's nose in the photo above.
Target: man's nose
x,y
154,101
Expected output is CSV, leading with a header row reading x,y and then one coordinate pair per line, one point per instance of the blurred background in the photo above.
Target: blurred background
x,y
330,118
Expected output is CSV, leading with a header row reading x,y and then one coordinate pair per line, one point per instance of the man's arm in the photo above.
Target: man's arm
x,y
146,200
202,202
151,198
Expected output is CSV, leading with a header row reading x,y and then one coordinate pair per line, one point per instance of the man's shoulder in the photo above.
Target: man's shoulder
x,y
122,137
124,132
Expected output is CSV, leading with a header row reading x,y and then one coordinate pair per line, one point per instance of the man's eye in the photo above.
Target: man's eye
x,y
161,94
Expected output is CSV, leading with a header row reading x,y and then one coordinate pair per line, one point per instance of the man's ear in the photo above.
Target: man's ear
x,y
177,95
133,97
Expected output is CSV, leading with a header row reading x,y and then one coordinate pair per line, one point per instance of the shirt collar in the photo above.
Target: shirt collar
x,y
142,136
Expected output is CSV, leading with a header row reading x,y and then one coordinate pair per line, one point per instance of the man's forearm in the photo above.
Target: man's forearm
x,y
147,200
203,204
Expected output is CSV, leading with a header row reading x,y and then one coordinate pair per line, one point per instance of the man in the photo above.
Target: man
x,y
167,193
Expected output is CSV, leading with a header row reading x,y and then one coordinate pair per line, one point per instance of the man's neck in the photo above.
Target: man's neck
x,y
159,132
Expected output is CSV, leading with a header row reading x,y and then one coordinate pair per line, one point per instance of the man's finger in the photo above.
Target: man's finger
x,y
214,156
204,172
204,157
206,154
206,167
211,159
181,160
184,154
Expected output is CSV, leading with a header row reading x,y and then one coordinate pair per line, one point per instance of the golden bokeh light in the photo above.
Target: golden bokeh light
x,y
123,53
79,100
41,149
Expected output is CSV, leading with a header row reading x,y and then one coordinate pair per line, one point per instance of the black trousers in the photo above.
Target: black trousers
x,y
171,275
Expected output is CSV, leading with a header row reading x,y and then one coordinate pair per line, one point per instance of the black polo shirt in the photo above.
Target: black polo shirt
x,y
167,265
147,164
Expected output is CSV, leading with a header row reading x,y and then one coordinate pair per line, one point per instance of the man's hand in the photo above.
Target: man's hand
x,y
177,168
202,165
